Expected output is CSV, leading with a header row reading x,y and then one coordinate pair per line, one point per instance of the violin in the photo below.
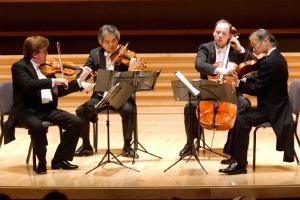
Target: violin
x,y
249,65
123,55
51,67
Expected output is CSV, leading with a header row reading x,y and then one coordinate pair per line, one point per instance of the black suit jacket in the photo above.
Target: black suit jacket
x,y
27,94
270,87
206,57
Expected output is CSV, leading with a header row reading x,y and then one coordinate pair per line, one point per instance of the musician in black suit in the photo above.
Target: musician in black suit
x,y
273,105
100,58
209,54
35,100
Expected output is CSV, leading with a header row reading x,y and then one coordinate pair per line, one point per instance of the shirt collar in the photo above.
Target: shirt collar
x,y
35,65
271,51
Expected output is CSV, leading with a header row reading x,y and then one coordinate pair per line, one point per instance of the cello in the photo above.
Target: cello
x,y
218,105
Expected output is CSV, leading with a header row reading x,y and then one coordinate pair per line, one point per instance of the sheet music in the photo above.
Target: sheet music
x,y
188,85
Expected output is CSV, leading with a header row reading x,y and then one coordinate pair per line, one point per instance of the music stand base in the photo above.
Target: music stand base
x,y
107,154
135,149
191,153
208,148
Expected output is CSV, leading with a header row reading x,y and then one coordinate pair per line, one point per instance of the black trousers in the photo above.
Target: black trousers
x,y
238,142
127,112
69,123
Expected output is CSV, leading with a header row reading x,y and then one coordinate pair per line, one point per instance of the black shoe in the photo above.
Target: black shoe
x,y
234,168
186,150
84,151
41,169
228,161
64,164
129,152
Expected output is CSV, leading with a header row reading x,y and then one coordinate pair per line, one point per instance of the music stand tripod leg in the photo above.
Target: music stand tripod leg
x,y
108,151
136,142
193,151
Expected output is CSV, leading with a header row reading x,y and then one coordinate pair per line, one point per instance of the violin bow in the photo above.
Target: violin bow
x,y
59,58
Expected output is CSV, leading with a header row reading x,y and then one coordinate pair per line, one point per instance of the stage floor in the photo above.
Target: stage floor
x,y
162,135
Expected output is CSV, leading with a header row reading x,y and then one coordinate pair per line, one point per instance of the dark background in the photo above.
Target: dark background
x,y
151,26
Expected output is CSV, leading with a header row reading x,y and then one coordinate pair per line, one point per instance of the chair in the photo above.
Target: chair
x,y
294,96
6,103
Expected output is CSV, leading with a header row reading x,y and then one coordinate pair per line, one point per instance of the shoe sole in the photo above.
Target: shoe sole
x,y
240,171
84,153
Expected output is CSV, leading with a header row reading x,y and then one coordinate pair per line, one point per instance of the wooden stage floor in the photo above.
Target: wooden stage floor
x,y
161,134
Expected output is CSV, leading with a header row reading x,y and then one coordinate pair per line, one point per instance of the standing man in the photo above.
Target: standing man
x,y
273,105
209,54
100,58
35,100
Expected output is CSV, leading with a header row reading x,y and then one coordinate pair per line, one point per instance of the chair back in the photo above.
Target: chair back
x,y
294,95
6,97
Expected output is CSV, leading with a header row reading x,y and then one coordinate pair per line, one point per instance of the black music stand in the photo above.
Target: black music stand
x,y
116,97
180,94
209,90
143,81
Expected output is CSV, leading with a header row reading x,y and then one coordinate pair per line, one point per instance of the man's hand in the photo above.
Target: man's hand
x,y
234,78
136,64
222,71
234,42
85,72
87,87
61,81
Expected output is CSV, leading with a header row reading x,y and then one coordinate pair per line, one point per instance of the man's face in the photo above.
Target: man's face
x,y
258,47
40,56
110,43
221,34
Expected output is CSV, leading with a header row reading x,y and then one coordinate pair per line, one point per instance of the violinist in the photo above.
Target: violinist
x,y
209,54
270,86
35,100
100,58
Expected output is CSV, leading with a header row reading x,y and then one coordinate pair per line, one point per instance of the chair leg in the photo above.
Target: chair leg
x,y
254,149
95,134
29,153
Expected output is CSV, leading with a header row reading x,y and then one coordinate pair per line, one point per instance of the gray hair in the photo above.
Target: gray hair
x,y
262,34
107,29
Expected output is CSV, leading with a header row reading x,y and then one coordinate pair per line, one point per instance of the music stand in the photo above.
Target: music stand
x,y
116,97
143,81
182,94
209,90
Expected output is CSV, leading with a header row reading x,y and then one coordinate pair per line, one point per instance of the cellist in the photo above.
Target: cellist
x,y
209,54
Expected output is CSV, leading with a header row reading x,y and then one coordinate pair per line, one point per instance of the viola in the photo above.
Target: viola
x,y
51,67
123,55
249,65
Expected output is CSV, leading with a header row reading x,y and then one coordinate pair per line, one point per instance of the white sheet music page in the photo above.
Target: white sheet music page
x,y
185,82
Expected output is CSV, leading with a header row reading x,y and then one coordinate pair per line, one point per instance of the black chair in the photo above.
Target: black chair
x,y
6,103
294,95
